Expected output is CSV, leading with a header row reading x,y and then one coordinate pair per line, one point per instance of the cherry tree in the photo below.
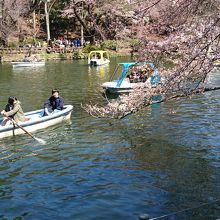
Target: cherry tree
x,y
186,33
13,19
102,19
10,17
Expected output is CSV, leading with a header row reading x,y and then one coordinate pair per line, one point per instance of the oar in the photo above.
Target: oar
x,y
28,133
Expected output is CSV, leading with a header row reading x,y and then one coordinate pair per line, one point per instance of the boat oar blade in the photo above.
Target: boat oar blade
x,y
40,140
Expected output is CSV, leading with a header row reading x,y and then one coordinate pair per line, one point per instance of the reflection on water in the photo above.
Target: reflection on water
x,y
151,162
101,71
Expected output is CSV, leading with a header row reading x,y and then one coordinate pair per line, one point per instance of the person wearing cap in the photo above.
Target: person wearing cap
x,y
13,110
55,102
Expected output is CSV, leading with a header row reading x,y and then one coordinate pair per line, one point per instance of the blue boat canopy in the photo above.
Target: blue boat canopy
x,y
155,78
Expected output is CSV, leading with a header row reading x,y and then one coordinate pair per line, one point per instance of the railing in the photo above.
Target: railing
x,y
21,50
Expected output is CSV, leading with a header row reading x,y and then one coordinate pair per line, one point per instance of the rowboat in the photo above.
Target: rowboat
x,y
28,64
124,84
98,58
35,121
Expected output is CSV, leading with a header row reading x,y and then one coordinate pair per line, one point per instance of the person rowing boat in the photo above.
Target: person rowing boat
x,y
13,110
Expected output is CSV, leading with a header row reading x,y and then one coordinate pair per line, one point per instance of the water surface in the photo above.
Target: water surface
x,y
151,162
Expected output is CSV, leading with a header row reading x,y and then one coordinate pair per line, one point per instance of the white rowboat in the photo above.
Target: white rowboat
x,y
28,64
35,121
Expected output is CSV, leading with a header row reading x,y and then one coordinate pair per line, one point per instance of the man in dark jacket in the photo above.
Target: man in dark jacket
x,y
53,103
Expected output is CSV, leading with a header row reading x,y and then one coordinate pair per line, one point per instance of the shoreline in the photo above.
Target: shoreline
x,y
10,55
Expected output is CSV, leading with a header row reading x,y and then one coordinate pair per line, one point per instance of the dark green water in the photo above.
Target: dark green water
x,y
92,169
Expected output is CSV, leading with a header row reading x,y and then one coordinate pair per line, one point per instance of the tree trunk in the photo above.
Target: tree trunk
x,y
47,20
82,36
34,24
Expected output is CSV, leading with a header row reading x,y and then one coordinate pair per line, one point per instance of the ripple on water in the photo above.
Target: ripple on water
x,y
152,162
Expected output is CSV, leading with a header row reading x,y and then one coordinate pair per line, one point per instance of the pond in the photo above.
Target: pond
x,y
152,162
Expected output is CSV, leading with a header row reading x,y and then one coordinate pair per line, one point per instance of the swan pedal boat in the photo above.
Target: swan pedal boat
x,y
123,85
28,64
35,121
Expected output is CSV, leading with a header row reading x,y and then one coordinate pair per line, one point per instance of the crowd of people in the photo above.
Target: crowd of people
x,y
13,110
59,42
62,42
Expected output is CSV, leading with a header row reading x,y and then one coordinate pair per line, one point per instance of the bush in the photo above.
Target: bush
x,y
29,40
109,44
78,55
134,42
12,45
89,48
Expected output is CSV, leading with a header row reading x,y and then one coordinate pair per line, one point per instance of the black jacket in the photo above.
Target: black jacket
x,y
54,103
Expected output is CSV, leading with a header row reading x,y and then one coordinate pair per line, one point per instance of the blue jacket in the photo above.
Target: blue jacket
x,y
54,103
